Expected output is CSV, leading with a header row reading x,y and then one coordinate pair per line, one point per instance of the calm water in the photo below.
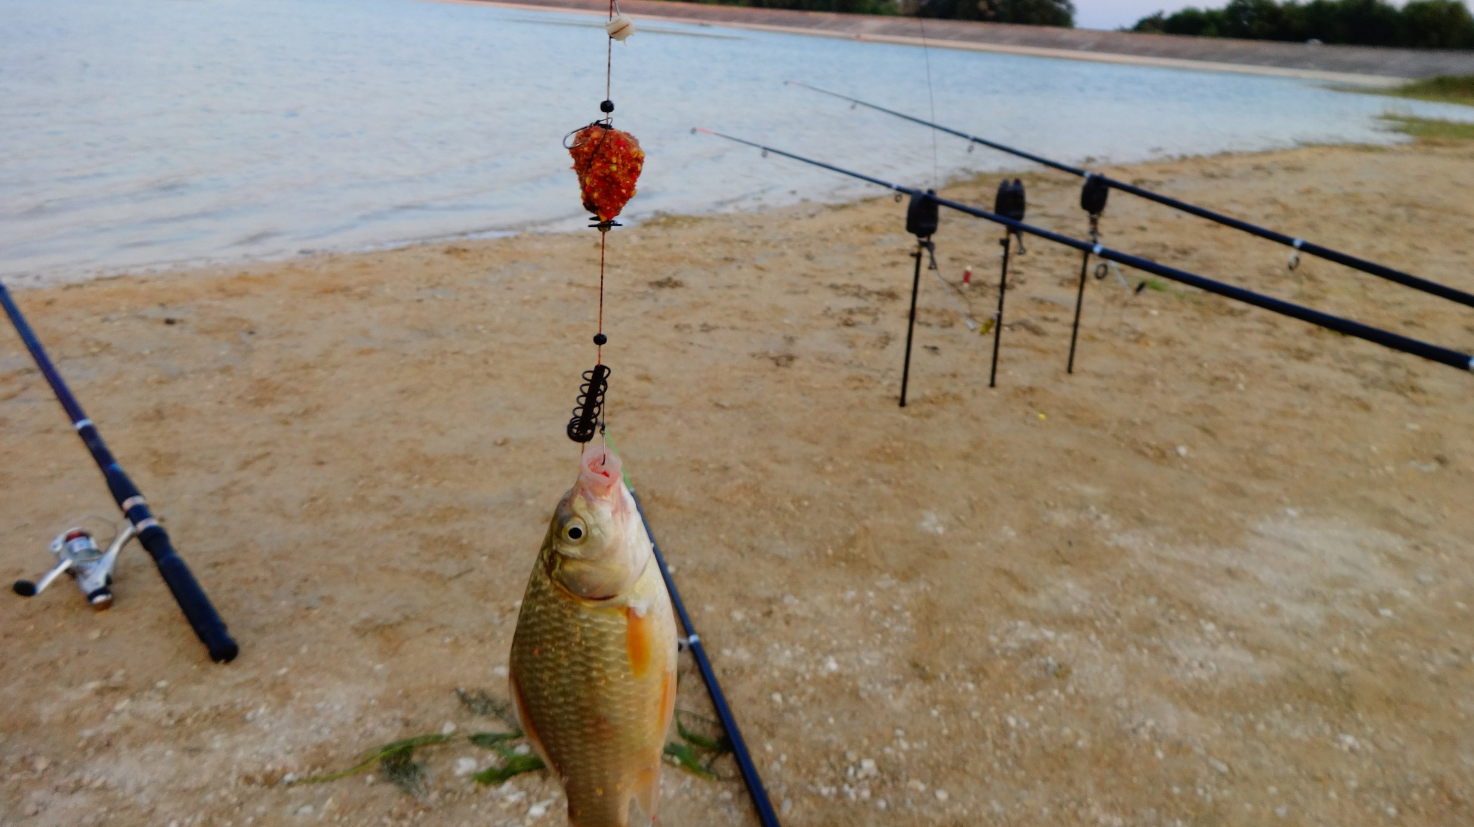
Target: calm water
x,y
160,132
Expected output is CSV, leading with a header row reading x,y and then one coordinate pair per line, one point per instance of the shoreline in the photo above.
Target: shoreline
x,y
1369,67
71,279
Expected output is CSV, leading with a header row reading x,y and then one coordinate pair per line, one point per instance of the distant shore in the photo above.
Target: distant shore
x,y
1367,66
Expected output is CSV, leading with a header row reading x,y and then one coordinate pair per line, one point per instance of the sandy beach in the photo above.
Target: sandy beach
x,y
1220,576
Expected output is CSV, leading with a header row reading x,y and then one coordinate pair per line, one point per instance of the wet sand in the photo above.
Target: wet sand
x,y
1220,576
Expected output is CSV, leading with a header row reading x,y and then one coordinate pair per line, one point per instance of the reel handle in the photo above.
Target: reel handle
x,y
26,588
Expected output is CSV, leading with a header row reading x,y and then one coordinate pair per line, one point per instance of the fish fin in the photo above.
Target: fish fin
x,y
639,640
668,699
519,710
647,795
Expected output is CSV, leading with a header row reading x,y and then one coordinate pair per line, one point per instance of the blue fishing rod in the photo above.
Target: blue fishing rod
x,y
187,593
745,765
1299,245
1388,339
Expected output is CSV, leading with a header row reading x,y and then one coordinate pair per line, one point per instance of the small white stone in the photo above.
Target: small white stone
x,y
499,671
916,786
539,809
465,766
447,728
831,665
941,795
522,749
777,697
1282,810
1182,450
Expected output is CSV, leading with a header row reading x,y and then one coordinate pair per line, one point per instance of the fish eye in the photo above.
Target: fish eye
x,y
575,530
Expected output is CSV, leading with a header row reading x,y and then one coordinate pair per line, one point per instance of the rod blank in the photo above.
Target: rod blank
x,y
1369,267
1442,355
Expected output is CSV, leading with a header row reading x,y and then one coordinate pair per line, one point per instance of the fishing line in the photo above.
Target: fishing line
x,y
931,99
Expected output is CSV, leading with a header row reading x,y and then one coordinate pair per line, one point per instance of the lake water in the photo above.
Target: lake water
x,y
157,133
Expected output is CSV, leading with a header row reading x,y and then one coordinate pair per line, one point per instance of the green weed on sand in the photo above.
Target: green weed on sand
x,y
1428,129
1441,89
700,743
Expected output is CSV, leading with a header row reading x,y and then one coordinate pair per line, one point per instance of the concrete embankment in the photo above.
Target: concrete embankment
x,y
1358,65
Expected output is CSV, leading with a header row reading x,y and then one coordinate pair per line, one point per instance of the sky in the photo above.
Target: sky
x,y
1113,14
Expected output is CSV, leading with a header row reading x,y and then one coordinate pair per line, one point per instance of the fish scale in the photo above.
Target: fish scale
x,y
596,712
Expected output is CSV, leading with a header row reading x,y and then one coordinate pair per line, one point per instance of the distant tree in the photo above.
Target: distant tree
x,y
1437,24
847,6
1026,12
1255,20
1029,12
1443,24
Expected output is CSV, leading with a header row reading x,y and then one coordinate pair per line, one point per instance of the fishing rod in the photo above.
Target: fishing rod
x,y
1388,339
187,593
1298,244
745,765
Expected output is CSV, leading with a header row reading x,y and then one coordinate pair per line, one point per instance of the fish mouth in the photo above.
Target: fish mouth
x,y
600,472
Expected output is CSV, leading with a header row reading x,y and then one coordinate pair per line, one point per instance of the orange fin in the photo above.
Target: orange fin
x,y
668,700
519,709
638,641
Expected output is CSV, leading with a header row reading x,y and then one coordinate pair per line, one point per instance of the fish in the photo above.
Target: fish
x,y
593,662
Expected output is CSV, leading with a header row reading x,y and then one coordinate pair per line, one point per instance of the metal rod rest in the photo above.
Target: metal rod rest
x,y
1434,353
998,321
911,324
1079,300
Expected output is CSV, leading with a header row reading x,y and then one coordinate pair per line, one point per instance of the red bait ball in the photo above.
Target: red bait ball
x,y
608,163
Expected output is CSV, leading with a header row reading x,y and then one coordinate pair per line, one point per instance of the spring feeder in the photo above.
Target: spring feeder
x,y
608,162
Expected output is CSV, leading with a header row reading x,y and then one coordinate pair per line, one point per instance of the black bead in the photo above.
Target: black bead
x,y
606,107
600,339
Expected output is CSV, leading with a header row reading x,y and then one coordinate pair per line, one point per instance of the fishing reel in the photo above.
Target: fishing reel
x,y
77,554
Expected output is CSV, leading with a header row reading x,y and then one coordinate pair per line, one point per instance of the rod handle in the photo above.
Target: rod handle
x,y
191,598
